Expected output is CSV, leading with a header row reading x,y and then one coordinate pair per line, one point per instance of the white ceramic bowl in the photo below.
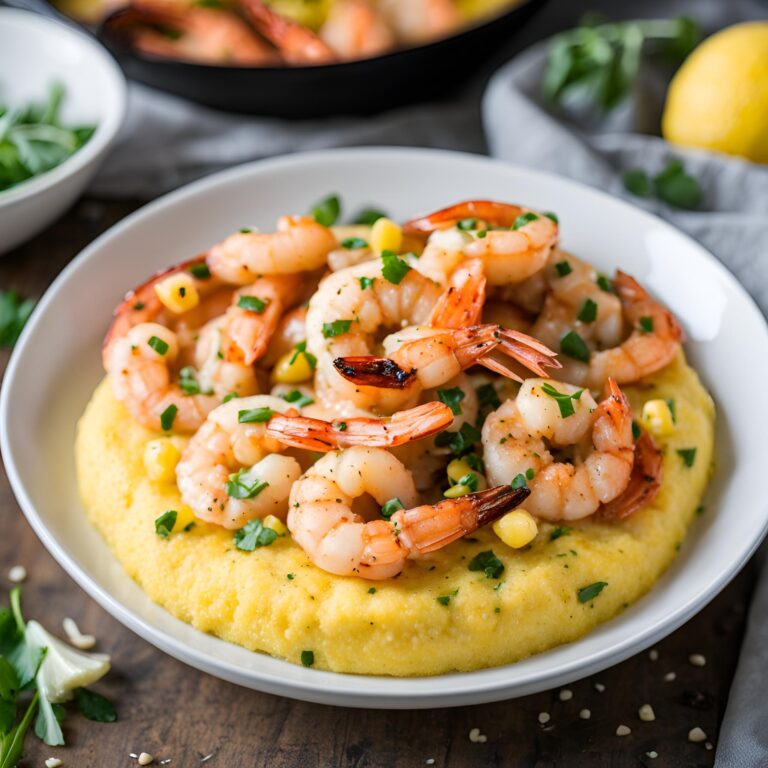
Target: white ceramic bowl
x,y
34,53
57,364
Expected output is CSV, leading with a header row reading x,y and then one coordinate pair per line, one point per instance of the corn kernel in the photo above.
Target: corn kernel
x,y
292,368
457,469
178,293
516,529
275,523
386,236
160,459
457,490
657,418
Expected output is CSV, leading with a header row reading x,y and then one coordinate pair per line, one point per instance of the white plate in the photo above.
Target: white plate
x,y
57,364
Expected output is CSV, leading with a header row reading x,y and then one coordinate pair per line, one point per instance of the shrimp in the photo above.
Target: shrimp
x,y
354,29
232,472
513,242
299,245
324,521
652,345
297,44
139,364
518,437
185,31
417,21
388,432
359,302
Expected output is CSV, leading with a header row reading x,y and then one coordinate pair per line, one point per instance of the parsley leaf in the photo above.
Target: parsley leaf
x,y
94,706
452,398
688,455
336,328
390,507
252,304
393,268
590,592
164,524
564,401
353,243
488,563
369,216
254,535
14,313
244,484
573,345
327,211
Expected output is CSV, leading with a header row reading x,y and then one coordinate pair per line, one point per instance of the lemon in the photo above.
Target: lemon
x,y
719,98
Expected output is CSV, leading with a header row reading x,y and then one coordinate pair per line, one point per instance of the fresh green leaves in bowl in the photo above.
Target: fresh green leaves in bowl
x,y
33,140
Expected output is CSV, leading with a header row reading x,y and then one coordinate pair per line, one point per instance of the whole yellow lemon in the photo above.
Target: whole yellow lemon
x,y
719,97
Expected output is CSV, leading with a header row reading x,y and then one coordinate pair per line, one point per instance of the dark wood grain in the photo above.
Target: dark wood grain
x,y
175,712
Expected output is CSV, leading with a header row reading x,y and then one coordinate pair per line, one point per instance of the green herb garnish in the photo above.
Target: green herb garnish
x,y
452,398
254,535
469,481
393,268
564,401
336,328
94,706
160,346
672,410
244,484
167,417
327,211
164,524
366,282
573,345
563,268
301,349
552,216
390,507
14,311
637,182
467,224
560,530
297,398
672,185
588,311
254,415
252,304
523,219
200,271
369,216
307,658
585,594
459,442
604,284
688,455
646,324
519,481
488,563
353,243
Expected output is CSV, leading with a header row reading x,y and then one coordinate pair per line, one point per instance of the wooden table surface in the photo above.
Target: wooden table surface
x,y
173,711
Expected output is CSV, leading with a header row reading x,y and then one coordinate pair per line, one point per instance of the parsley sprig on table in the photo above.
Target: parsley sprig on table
x,y
14,313
33,140
600,61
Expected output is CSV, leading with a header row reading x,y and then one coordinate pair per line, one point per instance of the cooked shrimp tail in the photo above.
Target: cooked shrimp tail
x,y
489,211
432,527
462,302
388,432
644,481
526,350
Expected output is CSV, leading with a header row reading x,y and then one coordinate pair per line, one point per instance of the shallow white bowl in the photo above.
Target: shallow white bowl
x,y
34,53
57,364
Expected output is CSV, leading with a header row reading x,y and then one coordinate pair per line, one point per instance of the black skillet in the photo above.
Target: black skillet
x,y
360,87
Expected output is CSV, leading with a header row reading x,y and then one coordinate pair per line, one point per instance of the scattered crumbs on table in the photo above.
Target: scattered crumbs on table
x,y
646,713
708,746
585,714
669,677
653,754
623,730
75,636
696,735
133,755
17,574
53,762
566,694
599,687
145,759
206,758
476,737
653,654
166,761
430,761
697,660
544,717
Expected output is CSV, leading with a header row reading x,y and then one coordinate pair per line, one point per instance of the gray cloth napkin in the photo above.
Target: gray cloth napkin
x,y
732,223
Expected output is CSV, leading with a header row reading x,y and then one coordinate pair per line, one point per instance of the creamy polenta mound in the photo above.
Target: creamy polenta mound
x,y
274,600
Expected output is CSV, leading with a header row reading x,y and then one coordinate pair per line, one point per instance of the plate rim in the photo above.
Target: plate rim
x,y
321,689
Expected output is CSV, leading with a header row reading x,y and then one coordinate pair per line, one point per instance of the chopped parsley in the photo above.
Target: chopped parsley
x,y
290,576
588,311
336,328
327,211
573,345
523,219
604,284
563,268
459,442
164,524
200,271
297,398
369,216
254,415
94,706
469,481
254,535
243,484
167,417
519,481
563,400
475,462
160,346
636,431
488,563
445,599
246,230
688,455
371,590
560,530
467,224
252,304
353,243
646,324
488,400
307,658
552,216
301,349
452,398
672,410
392,506
189,383
230,396
393,268
366,282
590,592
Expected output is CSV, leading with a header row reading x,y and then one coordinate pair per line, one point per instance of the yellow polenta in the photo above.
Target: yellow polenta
x,y
400,628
